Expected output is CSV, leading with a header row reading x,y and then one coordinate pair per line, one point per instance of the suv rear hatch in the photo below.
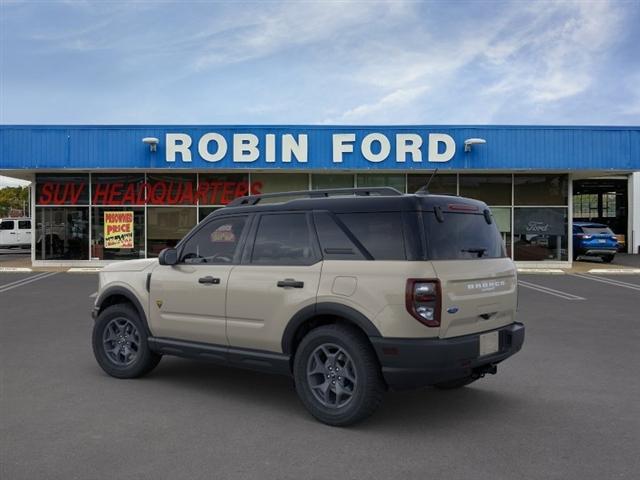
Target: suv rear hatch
x,y
595,237
478,281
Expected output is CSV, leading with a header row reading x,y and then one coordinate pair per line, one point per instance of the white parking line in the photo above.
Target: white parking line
x,y
19,283
609,281
550,291
22,280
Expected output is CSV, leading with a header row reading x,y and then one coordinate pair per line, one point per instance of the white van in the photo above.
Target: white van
x,y
15,232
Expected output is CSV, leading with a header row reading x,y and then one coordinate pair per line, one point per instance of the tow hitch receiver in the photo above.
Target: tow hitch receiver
x,y
480,372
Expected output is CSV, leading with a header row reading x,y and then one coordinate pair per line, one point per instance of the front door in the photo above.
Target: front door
x,y
279,275
8,233
187,301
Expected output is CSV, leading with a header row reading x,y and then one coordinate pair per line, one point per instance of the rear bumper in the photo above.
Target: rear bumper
x,y
411,363
598,251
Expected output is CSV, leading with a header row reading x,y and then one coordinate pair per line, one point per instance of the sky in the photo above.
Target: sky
x,y
327,62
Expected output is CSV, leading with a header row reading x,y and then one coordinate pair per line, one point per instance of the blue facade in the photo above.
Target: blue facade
x,y
508,148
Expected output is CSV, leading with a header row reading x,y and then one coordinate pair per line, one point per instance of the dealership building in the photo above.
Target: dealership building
x,y
538,180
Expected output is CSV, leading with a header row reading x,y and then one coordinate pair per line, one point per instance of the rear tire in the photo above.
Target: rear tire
x,y
120,343
453,384
337,375
608,258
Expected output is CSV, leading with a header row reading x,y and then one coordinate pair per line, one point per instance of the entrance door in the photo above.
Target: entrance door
x,y
187,301
602,200
279,276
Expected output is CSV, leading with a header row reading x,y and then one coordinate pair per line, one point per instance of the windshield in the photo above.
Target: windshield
x,y
462,236
592,230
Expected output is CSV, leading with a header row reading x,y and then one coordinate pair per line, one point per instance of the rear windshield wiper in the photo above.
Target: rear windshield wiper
x,y
479,251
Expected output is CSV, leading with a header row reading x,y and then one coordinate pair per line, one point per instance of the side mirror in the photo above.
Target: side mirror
x,y
168,256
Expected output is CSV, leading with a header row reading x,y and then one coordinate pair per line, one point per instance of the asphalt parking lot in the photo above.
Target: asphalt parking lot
x,y
567,406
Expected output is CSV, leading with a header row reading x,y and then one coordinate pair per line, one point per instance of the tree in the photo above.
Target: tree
x,y
13,198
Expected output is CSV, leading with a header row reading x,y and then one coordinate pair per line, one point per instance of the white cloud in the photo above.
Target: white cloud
x,y
287,26
535,54
387,104
554,56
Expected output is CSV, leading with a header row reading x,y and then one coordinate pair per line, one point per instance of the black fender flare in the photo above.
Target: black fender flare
x,y
349,314
129,295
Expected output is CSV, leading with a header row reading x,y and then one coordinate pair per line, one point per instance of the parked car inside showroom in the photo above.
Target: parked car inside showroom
x,y
594,240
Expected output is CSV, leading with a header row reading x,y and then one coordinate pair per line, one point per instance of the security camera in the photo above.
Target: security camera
x,y
152,142
473,141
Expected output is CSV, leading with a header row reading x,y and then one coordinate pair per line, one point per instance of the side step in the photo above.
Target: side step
x,y
260,360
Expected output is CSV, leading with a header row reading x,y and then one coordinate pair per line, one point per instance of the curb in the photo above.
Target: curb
x,y
614,270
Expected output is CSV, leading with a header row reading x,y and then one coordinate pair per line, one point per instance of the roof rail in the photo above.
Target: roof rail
x,y
364,192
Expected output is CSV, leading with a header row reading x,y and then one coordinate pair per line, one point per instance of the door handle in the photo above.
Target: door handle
x,y
290,282
209,280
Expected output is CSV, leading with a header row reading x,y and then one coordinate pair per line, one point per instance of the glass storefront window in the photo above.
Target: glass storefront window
x,y
222,188
166,226
279,182
171,189
540,189
540,234
502,217
381,180
62,233
491,189
62,189
100,251
117,189
205,211
440,184
321,181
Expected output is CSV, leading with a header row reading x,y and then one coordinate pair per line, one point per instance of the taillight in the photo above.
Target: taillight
x,y
423,301
584,237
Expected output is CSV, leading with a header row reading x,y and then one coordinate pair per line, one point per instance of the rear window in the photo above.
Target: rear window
x,y
597,230
462,236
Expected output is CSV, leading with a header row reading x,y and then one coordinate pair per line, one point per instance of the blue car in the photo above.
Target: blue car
x,y
594,239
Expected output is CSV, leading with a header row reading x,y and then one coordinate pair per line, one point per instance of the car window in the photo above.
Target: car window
x,y
379,233
24,224
215,243
334,241
6,225
593,230
462,236
283,239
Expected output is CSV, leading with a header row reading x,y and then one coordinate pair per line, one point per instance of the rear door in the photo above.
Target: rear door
x,y
24,232
478,282
279,276
187,301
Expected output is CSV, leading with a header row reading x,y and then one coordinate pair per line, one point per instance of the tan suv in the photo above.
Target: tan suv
x,y
350,292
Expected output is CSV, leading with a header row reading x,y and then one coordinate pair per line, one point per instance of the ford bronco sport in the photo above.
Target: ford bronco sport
x,y
350,292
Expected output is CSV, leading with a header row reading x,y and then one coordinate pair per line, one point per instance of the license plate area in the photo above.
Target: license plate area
x,y
489,343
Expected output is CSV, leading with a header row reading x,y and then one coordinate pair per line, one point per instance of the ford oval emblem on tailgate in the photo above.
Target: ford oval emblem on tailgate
x,y
452,310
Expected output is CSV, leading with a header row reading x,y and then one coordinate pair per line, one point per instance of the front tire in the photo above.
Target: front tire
x,y
337,375
120,343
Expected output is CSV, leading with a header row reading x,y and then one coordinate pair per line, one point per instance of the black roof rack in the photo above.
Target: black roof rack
x,y
364,192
